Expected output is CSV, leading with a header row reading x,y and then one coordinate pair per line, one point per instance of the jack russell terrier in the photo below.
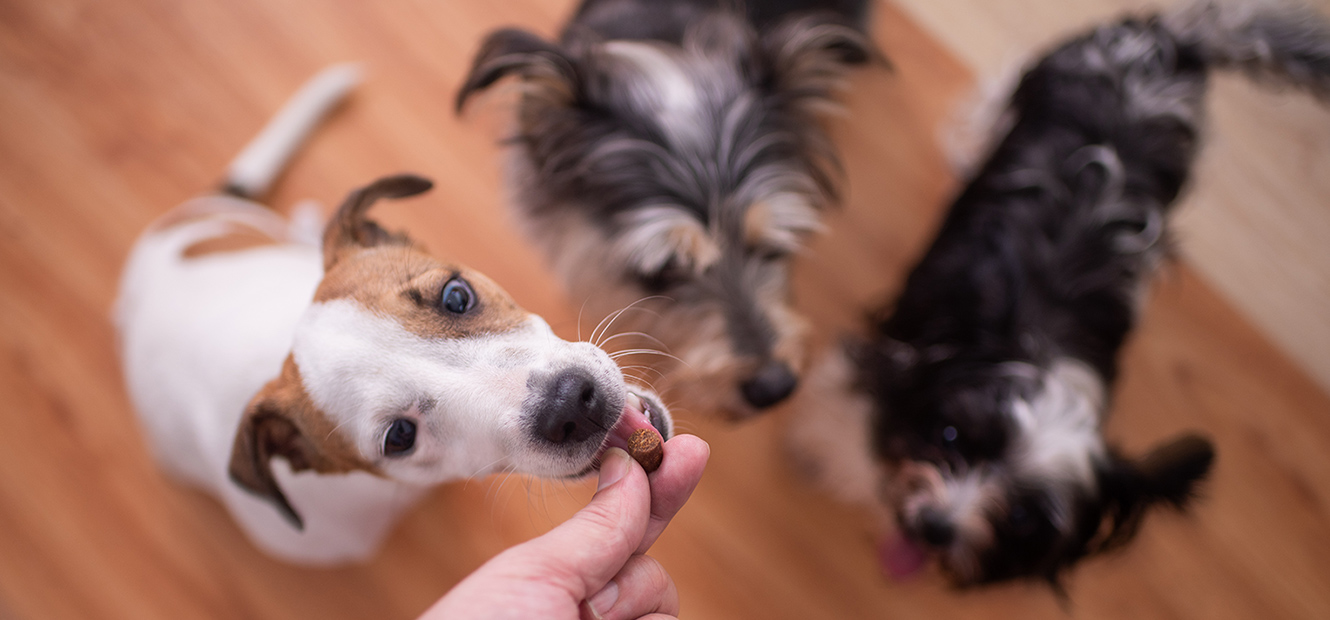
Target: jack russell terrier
x,y
319,386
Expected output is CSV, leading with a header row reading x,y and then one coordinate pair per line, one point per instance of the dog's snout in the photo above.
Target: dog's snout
x,y
772,383
574,409
935,528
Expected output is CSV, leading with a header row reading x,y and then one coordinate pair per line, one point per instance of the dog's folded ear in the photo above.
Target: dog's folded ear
x,y
807,54
263,434
543,65
281,422
349,228
1170,474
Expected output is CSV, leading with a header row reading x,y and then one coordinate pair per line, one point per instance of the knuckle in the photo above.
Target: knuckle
x,y
606,525
655,573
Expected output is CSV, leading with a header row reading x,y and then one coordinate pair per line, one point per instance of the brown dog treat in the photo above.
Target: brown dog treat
x,y
645,448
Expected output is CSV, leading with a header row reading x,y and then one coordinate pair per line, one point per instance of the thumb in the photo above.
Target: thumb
x,y
589,549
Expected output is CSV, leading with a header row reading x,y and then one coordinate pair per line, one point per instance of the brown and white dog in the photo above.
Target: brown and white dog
x,y
319,385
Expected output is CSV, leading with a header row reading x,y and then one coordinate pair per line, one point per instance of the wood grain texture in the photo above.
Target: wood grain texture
x,y
111,113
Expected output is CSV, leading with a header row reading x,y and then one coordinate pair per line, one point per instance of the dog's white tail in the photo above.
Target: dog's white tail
x,y
253,170
1271,40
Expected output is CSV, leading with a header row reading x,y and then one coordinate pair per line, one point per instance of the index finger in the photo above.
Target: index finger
x,y
671,485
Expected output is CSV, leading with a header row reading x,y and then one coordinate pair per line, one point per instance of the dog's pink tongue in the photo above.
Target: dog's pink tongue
x,y
901,557
634,417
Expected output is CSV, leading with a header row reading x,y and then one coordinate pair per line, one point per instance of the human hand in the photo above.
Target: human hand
x,y
593,565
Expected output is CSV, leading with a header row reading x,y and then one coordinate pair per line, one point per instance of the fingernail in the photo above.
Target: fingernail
x,y
604,600
613,466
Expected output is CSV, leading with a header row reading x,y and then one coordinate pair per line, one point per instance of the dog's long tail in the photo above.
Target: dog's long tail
x,y
1271,40
252,172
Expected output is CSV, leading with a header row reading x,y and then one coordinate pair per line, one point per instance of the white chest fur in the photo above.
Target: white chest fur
x,y
199,337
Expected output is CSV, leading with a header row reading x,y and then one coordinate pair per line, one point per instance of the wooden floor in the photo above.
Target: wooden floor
x,y
110,113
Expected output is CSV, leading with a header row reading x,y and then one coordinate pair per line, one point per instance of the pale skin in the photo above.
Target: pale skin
x,y
593,566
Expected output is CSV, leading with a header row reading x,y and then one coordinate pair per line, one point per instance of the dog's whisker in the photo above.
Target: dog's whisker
x,y
495,480
533,497
482,469
580,310
498,493
637,367
628,334
334,429
644,382
505,474
614,316
568,491
636,378
629,352
633,306
686,427
606,321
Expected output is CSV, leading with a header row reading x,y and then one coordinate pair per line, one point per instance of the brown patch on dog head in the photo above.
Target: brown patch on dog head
x,y
655,238
240,238
408,285
281,421
791,335
391,276
695,245
779,224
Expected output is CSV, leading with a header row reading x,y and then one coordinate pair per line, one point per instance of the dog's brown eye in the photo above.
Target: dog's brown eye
x,y
667,276
401,438
457,296
1022,523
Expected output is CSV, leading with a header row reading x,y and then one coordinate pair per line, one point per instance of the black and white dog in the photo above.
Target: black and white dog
x,y
978,401
668,156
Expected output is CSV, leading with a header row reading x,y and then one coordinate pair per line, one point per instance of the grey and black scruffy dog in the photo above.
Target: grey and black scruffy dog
x,y
976,405
668,157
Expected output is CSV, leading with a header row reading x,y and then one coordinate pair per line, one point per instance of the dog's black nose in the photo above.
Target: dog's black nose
x,y
573,409
935,528
773,383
